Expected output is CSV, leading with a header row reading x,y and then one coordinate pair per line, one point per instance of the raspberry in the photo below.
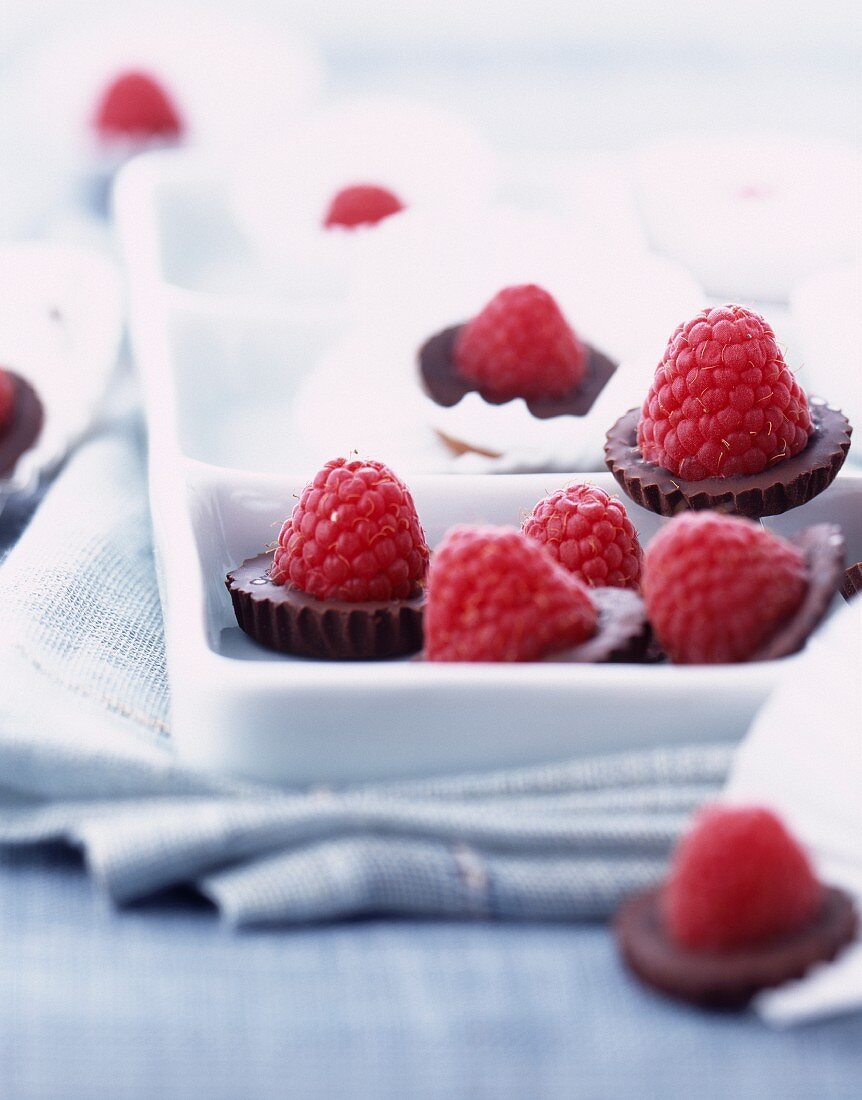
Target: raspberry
x,y
361,204
717,587
354,535
135,105
7,398
738,878
495,595
723,402
589,532
521,345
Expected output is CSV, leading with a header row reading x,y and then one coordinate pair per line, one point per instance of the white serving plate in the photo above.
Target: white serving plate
x,y
429,157
346,314
750,214
241,709
825,311
270,78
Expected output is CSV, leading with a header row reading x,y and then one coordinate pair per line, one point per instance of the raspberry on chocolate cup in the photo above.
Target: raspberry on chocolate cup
x,y
722,589
725,425
741,910
346,580
589,532
133,113
519,347
21,418
495,595
134,108
361,204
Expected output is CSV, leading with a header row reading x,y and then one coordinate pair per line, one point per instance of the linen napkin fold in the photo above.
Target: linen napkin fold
x,y
85,756
803,757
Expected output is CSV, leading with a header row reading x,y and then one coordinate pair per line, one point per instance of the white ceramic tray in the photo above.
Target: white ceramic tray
x,y
280,330
750,216
241,709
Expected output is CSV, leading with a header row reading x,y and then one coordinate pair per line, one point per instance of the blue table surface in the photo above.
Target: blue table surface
x,y
161,1001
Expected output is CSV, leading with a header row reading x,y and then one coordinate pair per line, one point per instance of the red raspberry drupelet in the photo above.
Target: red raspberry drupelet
x,y
723,402
495,595
361,204
589,532
717,587
7,398
353,536
135,105
521,345
737,879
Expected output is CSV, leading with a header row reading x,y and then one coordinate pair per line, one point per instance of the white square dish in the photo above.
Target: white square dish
x,y
345,313
242,709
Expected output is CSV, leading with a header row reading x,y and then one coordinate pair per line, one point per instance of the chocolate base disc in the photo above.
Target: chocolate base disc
x,y
290,621
787,484
851,583
623,633
24,426
823,547
444,384
727,979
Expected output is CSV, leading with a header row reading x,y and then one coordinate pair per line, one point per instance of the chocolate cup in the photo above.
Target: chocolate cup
x,y
24,426
444,384
289,621
787,484
623,633
727,979
823,547
851,582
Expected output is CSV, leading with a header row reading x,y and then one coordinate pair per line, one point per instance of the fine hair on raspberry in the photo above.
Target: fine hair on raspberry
x,y
723,402
354,535
589,532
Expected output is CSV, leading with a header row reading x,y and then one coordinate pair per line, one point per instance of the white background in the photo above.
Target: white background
x,y
571,72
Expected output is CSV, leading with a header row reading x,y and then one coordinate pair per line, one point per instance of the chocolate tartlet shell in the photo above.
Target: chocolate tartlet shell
x,y
290,621
24,426
785,485
823,547
446,386
851,582
623,633
727,979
